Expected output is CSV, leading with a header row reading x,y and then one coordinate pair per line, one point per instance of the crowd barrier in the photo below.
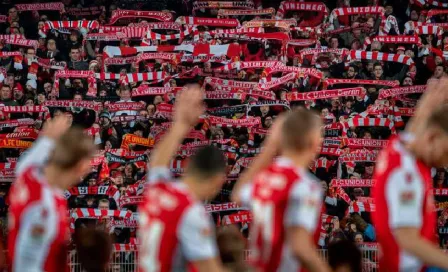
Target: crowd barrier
x,y
127,261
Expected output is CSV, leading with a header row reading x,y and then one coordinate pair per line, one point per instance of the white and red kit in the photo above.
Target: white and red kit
x,y
403,198
282,196
38,227
174,228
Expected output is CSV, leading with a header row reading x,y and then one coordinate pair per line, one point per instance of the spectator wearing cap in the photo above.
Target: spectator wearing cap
x,y
106,128
19,94
76,62
94,66
52,51
31,86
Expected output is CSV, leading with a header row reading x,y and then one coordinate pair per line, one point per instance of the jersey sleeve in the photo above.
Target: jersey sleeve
x,y
304,205
37,231
404,195
245,194
159,174
197,236
36,156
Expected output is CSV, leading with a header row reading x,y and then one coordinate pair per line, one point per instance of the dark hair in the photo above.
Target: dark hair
x,y
72,147
377,64
296,128
94,249
6,86
76,47
231,248
439,118
345,253
207,162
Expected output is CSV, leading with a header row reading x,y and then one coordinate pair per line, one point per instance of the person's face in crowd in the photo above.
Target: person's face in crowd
x,y
47,87
334,43
348,104
151,108
414,15
108,145
324,186
335,222
356,45
40,98
268,122
282,95
51,45
104,121
92,182
376,45
441,175
75,55
77,83
18,94
335,102
173,83
143,113
77,97
359,239
352,228
157,100
13,14
29,102
103,206
351,72
389,10
207,65
407,81
438,73
73,36
103,93
40,25
370,22
264,110
30,53
369,67
44,18
367,135
409,53
10,80
219,134
118,180
378,71
438,60
128,170
324,112
138,133
356,33
5,93
369,170
125,94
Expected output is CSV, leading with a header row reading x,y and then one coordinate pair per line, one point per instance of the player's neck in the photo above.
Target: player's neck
x,y
418,150
194,188
53,176
302,159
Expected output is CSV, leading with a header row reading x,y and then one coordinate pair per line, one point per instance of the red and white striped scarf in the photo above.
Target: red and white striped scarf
x,y
71,103
196,21
141,57
234,123
393,40
146,90
229,206
155,15
224,96
373,55
246,12
249,4
162,37
121,106
249,65
5,54
322,162
316,51
276,82
124,247
359,156
15,109
364,143
434,3
231,50
70,24
196,59
90,11
96,213
17,40
336,81
352,183
358,10
300,6
430,30
325,94
40,6
130,200
235,218
285,24
358,207
215,81
89,75
367,122
20,135
133,77
110,191
385,93
17,123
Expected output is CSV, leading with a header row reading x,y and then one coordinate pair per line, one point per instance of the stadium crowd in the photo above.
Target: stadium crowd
x,y
114,68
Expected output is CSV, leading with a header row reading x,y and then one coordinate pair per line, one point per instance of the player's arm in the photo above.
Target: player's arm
x,y
405,195
189,106
198,241
41,149
302,217
434,96
410,240
262,161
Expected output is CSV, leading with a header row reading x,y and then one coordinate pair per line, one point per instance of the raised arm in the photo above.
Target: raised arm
x,y
41,149
270,150
189,106
435,96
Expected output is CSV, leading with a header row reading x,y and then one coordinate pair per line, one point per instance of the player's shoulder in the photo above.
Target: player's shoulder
x,y
307,184
391,157
167,196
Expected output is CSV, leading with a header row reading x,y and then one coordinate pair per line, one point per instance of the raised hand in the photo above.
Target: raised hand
x,y
189,105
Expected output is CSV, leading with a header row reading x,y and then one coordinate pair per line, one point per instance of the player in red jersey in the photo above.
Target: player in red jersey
x,y
405,217
175,231
38,227
285,199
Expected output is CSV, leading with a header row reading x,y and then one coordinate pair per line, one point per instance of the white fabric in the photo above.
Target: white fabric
x,y
32,248
158,174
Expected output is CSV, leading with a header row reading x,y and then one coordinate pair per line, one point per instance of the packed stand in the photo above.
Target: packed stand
x,y
114,67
